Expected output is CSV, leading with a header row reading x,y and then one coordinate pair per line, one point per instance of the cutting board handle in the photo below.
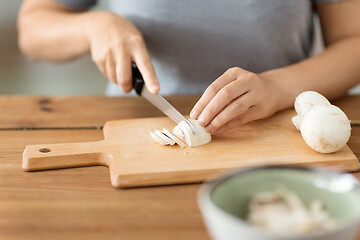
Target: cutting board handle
x,y
52,156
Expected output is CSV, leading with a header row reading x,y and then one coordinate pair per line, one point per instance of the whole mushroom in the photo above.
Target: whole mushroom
x,y
296,120
306,101
324,127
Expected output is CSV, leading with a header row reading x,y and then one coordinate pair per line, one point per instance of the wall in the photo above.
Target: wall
x,y
19,76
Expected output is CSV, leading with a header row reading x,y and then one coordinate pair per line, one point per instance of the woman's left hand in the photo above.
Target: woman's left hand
x,y
235,98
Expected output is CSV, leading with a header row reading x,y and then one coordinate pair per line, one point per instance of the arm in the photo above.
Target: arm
x,y
335,70
50,31
239,96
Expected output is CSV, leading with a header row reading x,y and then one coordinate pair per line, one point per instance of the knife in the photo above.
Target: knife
x,y
157,100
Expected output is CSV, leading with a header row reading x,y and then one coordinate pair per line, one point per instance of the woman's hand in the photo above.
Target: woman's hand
x,y
236,97
114,44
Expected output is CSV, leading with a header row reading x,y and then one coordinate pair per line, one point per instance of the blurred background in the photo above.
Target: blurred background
x,y
78,77
19,76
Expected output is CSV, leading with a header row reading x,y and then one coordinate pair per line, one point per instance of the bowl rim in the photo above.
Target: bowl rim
x,y
208,186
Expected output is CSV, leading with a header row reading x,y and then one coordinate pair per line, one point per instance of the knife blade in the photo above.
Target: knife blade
x,y
157,100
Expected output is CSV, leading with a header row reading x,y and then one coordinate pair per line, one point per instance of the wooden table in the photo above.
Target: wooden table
x,y
80,203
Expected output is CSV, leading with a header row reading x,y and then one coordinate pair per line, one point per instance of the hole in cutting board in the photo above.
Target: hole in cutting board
x,y
44,150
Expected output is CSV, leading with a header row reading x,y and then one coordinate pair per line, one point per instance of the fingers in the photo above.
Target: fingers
x,y
143,62
251,114
114,61
110,68
221,101
229,76
124,71
233,110
118,69
101,63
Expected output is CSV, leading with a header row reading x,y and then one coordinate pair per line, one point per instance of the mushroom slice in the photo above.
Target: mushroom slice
x,y
184,132
158,139
178,132
173,137
164,137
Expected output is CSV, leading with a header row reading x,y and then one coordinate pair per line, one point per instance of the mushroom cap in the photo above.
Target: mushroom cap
x,y
326,129
306,101
184,132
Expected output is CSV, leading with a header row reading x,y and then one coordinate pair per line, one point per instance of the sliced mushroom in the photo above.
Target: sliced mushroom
x,y
178,132
164,137
174,138
185,133
182,133
158,139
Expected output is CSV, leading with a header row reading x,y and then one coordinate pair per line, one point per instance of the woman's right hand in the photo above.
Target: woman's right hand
x,y
115,44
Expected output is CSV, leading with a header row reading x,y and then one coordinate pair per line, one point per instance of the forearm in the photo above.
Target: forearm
x,y
53,34
331,73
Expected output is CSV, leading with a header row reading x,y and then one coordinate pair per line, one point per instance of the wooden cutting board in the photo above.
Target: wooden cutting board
x,y
135,159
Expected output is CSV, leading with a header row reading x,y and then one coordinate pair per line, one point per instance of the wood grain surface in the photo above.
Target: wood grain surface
x,y
79,112
79,203
84,112
136,160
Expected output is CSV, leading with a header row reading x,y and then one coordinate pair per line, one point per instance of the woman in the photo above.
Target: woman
x,y
260,49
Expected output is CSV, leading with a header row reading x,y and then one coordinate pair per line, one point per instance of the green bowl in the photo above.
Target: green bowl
x,y
224,202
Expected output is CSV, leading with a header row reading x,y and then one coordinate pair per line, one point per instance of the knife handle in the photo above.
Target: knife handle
x,y
138,80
